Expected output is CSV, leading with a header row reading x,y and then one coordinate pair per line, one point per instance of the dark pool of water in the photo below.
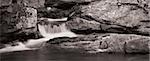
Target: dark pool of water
x,y
53,55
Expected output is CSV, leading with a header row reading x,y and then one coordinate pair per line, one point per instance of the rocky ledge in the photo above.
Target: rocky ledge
x,y
119,26
112,43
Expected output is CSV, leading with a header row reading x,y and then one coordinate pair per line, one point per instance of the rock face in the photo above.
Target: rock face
x,y
117,16
129,18
17,20
105,43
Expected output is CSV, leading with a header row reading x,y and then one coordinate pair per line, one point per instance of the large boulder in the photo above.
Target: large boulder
x,y
117,16
94,43
17,20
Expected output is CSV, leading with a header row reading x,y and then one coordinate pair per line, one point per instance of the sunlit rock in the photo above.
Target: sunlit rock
x,y
117,16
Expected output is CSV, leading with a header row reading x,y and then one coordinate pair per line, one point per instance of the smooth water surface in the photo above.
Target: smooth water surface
x,y
53,55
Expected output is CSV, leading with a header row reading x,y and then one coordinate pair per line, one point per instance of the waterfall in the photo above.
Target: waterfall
x,y
54,28
49,31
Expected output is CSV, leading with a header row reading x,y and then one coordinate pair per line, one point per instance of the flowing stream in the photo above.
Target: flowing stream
x,y
47,54
49,31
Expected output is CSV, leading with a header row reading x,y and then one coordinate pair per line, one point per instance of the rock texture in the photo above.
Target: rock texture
x,y
30,3
17,20
117,16
94,43
128,21
110,25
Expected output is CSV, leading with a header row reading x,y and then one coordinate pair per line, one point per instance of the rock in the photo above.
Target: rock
x,y
34,3
78,1
31,3
138,45
116,16
2,46
18,20
53,13
94,43
66,4
59,4
5,2
80,25
51,2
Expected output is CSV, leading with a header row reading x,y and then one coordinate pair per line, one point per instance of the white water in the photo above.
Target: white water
x,y
47,32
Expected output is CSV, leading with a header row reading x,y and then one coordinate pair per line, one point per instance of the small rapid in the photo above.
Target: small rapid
x,y
48,31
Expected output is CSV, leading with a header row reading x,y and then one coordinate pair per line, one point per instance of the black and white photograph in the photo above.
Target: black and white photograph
x,y
74,30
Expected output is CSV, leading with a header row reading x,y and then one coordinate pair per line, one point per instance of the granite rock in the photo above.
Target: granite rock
x,y
17,20
97,43
114,16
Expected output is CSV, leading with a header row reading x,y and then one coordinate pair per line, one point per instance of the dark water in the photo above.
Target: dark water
x,y
55,55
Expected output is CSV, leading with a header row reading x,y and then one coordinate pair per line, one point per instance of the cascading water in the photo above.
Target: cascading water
x,y
52,29
55,29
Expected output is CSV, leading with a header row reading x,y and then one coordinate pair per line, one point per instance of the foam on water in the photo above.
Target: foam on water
x,y
19,47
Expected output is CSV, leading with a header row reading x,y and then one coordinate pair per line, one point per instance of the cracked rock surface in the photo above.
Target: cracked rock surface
x,y
113,16
116,43
17,21
103,25
126,21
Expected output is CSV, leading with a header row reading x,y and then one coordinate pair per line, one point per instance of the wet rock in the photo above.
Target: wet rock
x,y
117,16
94,43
